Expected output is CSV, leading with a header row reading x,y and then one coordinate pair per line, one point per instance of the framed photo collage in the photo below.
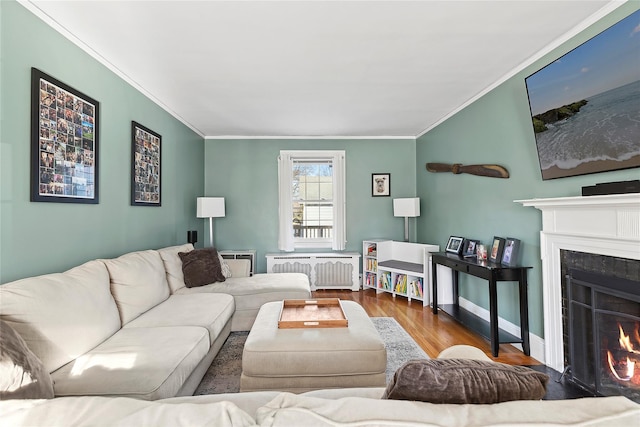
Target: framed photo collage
x,y
65,147
64,142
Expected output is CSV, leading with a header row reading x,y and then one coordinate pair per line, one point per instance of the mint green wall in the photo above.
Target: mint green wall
x,y
245,172
41,238
497,129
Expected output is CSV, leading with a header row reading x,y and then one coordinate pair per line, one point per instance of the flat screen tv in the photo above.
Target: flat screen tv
x,y
585,106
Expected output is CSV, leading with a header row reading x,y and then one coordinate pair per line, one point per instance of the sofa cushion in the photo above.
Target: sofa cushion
x,y
224,267
145,363
254,291
295,410
250,293
465,381
201,267
138,282
22,374
210,311
173,265
63,315
108,411
239,267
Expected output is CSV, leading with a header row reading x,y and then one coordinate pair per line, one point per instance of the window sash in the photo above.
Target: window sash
x,y
287,240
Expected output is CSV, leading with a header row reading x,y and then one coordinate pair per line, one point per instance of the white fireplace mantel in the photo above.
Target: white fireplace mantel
x,y
606,225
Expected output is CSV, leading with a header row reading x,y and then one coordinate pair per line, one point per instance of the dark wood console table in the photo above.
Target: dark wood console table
x,y
494,273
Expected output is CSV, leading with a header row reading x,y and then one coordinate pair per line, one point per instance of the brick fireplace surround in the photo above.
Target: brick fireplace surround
x,y
605,225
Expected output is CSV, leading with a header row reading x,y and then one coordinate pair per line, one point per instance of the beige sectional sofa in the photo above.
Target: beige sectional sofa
x,y
352,407
128,326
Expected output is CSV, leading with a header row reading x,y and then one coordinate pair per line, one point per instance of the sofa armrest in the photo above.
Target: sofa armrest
x,y
462,351
239,267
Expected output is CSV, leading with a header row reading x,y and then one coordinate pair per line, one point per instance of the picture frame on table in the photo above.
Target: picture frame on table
x,y
380,184
469,248
454,245
146,166
481,252
497,248
64,142
511,252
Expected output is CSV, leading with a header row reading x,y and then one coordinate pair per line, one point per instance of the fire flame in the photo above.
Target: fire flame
x,y
623,370
624,340
628,371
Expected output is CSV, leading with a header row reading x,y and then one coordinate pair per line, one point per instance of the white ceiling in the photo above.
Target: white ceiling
x,y
316,68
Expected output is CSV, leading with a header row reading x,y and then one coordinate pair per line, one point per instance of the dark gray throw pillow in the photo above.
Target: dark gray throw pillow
x,y
465,381
201,267
22,374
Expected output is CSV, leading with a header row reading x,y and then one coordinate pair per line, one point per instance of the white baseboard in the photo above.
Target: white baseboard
x,y
536,343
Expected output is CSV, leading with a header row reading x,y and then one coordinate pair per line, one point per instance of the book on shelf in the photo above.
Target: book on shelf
x,y
417,287
385,281
370,279
401,284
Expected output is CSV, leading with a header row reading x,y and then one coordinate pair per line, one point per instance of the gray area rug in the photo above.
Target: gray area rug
x,y
223,376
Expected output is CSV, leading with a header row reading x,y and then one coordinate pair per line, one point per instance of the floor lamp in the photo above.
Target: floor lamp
x,y
409,207
210,207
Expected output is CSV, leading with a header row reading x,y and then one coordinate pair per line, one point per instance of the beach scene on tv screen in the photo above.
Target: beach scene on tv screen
x,y
585,106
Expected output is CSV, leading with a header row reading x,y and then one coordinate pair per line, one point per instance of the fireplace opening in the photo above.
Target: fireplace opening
x,y
603,337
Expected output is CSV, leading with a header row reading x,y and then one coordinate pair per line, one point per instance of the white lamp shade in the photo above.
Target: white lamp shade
x,y
210,207
408,207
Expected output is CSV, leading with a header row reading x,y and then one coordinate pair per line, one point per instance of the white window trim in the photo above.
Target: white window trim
x,y
286,241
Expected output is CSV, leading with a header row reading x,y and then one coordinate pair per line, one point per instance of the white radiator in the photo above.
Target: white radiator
x,y
325,270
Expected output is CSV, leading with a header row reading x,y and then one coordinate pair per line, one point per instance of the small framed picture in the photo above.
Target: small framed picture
x,y
511,252
481,252
497,248
454,245
380,184
469,248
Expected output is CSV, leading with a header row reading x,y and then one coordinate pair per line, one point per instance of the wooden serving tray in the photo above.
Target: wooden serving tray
x,y
312,313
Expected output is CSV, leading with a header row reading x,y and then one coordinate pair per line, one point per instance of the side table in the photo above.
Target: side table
x,y
493,273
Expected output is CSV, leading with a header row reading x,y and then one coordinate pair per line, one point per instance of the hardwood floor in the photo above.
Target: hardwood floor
x,y
432,333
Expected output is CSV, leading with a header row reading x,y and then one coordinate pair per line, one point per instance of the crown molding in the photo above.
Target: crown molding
x,y
336,137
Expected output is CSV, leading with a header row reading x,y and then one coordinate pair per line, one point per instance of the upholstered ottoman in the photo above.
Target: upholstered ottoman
x,y
298,360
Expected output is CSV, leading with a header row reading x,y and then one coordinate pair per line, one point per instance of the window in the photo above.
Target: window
x,y
312,199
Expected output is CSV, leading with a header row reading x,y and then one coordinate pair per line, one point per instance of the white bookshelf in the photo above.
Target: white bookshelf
x,y
401,268
370,263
